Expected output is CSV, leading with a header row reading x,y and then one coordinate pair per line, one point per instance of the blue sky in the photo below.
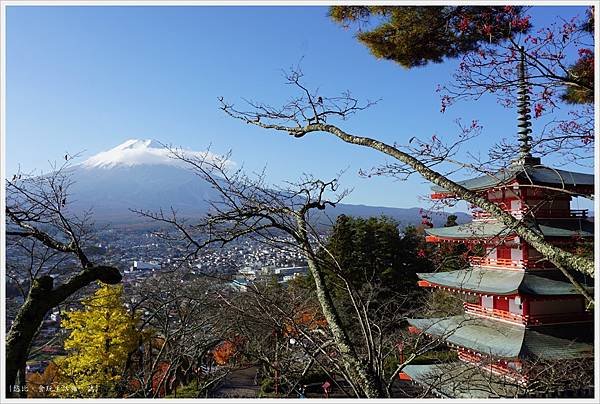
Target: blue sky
x,y
88,78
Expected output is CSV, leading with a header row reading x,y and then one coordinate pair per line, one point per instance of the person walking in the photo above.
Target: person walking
x,y
326,386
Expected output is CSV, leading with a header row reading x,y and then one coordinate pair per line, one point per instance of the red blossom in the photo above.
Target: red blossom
x,y
487,29
446,100
521,24
539,109
463,24
547,94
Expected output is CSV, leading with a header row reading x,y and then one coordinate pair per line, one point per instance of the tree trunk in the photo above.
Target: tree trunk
x,y
41,298
356,368
563,260
23,330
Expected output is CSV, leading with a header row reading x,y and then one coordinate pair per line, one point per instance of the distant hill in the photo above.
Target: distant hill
x,y
138,174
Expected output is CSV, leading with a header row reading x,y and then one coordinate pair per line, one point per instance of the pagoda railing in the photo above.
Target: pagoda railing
x,y
539,213
499,262
482,215
477,310
575,213
509,263
498,367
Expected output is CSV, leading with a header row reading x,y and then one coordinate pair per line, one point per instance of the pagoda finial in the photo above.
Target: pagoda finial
x,y
524,109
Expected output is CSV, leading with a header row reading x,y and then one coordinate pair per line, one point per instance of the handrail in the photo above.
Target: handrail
x,y
502,262
527,319
539,213
502,314
509,263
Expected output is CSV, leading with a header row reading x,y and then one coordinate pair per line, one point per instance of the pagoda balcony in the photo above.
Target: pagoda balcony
x,y
562,213
480,311
525,319
507,263
480,215
499,262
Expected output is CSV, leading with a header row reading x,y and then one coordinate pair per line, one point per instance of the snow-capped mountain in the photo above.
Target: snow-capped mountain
x,y
140,174
136,152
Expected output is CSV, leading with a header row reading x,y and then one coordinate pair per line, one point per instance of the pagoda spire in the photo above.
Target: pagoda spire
x,y
524,110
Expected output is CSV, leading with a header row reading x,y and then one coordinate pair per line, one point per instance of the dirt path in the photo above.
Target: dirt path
x,y
238,384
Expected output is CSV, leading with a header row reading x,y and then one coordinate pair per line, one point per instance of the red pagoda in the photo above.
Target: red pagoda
x,y
524,309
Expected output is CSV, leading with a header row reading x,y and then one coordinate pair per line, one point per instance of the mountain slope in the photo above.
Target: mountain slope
x,y
139,174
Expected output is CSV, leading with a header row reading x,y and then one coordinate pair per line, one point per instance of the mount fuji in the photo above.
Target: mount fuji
x,y
140,174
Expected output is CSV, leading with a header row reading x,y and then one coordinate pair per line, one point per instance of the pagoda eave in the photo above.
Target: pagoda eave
x,y
482,281
507,341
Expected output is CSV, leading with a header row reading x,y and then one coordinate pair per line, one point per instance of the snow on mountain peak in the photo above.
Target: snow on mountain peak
x,y
139,144
135,152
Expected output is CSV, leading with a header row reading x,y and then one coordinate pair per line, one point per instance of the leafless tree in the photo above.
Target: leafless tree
x,y
247,207
49,242
537,378
559,59
179,328
311,112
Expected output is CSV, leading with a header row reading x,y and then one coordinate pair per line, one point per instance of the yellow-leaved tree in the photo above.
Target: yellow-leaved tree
x,y
103,334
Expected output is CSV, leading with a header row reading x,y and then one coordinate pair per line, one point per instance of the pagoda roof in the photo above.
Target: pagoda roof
x,y
504,340
461,380
526,174
489,229
499,282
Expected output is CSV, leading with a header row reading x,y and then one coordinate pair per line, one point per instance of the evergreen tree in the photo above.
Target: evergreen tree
x,y
103,334
416,36
372,253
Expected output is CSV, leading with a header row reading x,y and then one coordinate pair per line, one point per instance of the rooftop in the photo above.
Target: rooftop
x,y
497,282
503,340
527,174
548,227
460,380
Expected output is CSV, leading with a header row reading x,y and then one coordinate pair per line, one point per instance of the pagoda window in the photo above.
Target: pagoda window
x,y
487,302
516,254
515,305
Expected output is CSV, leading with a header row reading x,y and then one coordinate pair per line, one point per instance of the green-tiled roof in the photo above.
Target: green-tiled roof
x,y
460,380
485,229
538,175
498,282
504,340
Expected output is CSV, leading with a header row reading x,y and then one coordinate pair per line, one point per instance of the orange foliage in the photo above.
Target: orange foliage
x,y
226,350
223,353
41,385
309,318
158,382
